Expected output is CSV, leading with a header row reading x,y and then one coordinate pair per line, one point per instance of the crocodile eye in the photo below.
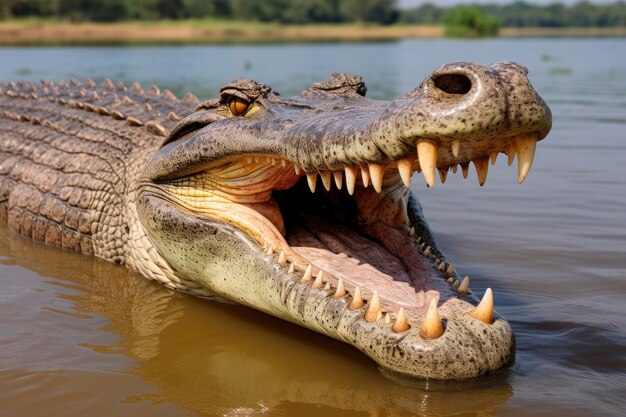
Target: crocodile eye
x,y
238,106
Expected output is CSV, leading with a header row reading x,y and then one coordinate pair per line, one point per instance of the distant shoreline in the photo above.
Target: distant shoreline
x,y
570,32
23,33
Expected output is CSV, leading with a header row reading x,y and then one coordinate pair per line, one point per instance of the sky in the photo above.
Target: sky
x,y
415,3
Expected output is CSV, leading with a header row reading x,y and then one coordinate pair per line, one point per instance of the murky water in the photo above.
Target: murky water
x,y
82,337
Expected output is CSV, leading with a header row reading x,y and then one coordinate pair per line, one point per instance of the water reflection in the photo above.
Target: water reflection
x,y
223,359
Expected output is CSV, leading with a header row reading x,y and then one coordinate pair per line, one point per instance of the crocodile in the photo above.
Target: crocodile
x,y
298,207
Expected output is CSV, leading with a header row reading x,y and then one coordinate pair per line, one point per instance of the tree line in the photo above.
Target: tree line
x,y
279,11
517,14
522,14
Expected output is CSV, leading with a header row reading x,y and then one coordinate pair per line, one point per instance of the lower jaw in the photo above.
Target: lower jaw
x,y
240,270
467,348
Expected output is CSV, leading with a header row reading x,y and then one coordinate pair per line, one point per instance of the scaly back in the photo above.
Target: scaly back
x,y
70,157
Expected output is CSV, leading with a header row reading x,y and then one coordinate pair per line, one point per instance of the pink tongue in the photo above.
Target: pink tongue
x,y
360,261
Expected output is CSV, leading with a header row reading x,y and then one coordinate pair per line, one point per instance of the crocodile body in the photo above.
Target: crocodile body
x,y
213,198
71,158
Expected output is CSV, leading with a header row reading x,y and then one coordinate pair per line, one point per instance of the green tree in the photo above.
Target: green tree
x,y
426,14
241,9
306,11
143,10
4,9
23,8
376,11
615,14
470,21
93,10
108,11
582,14
169,9
271,11
206,8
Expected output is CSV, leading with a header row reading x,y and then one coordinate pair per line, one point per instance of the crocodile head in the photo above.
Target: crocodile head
x,y
301,208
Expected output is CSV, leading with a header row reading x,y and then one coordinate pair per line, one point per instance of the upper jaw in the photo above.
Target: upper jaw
x,y
332,126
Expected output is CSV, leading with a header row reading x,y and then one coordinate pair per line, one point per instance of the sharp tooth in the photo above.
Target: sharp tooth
x,y
484,310
365,176
510,152
326,179
405,168
432,328
401,324
464,287
273,161
308,274
341,289
351,173
373,310
283,163
311,178
525,148
282,259
427,251
327,286
357,300
455,283
379,315
427,153
296,168
319,280
338,176
465,169
443,174
256,159
269,250
377,172
387,318
482,166
249,159
418,240
450,269
456,145
493,156
455,167
442,267
450,280
291,268
412,231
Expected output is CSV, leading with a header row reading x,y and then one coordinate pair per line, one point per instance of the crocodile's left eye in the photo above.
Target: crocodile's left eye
x,y
238,106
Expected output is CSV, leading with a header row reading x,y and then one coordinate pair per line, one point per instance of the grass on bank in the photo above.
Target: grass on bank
x,y
33,31
47,32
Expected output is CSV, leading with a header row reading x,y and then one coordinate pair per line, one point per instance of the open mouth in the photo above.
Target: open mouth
x,y
356,232
301,208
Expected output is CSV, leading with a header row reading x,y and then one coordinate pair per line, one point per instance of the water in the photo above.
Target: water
x,y
82,337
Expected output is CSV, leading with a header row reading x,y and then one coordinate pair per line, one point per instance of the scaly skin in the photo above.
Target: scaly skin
x,y
71,156
188,197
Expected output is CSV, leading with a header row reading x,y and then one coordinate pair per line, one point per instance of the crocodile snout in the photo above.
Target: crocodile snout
x,y
469,101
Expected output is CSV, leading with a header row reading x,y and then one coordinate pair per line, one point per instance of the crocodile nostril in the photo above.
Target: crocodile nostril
x,y
453,83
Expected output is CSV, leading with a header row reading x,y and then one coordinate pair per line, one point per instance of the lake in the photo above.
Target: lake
x,y
81,337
